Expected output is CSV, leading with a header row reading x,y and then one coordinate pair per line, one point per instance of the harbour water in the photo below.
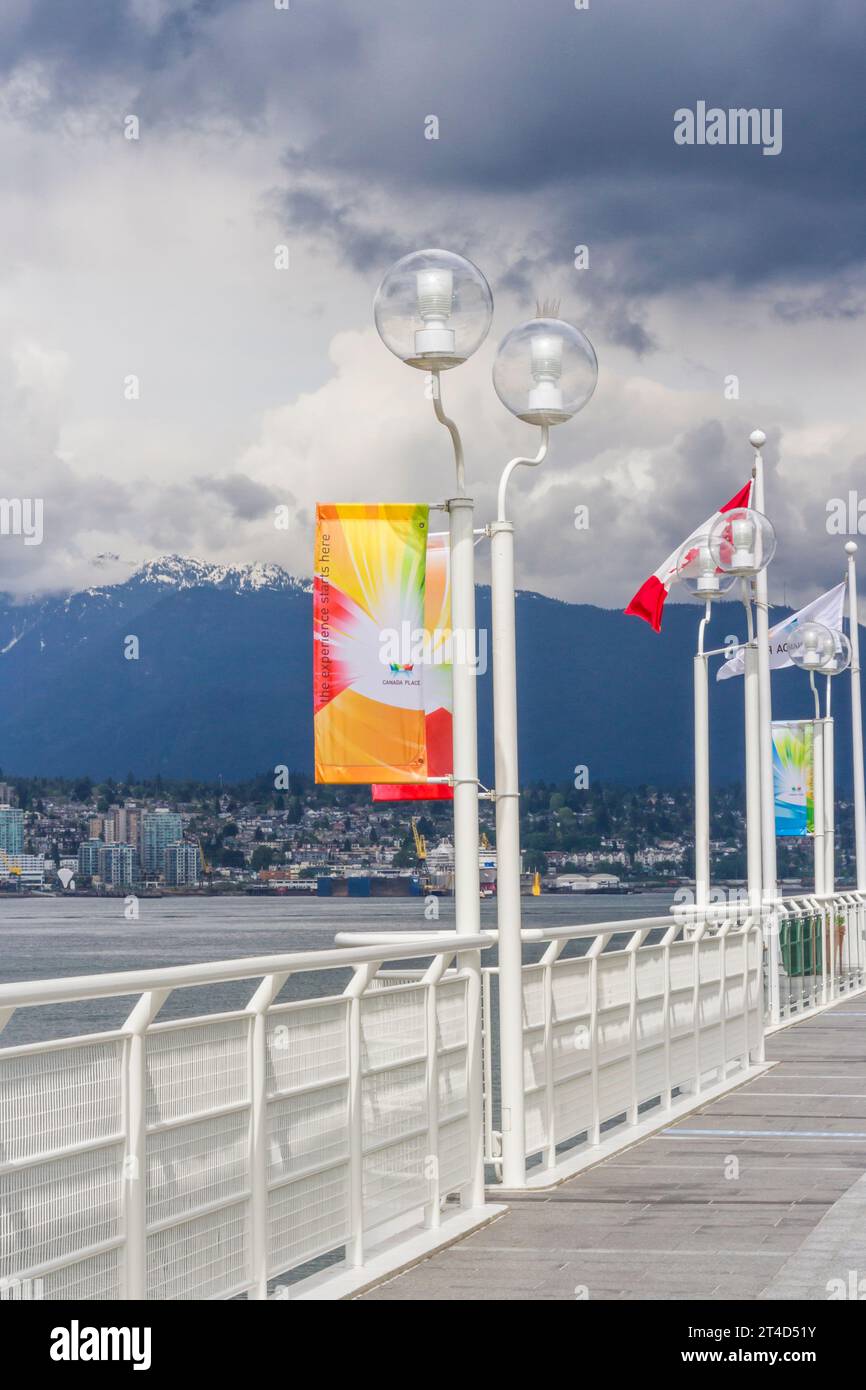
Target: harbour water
x,y
48,937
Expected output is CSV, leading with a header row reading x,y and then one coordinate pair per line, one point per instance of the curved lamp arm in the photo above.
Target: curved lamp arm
x,y
453,431
516,463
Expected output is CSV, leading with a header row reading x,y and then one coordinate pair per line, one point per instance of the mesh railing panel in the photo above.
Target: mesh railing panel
x,y
307,1130
195,1069
307,1218
59,1097
207,1257
197,1165
53,1211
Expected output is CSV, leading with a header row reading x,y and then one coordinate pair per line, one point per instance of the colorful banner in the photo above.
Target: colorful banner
x,y
368,605
436,682
793,786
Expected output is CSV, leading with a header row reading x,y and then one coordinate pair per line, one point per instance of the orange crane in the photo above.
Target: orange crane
x,y
207,867
421,854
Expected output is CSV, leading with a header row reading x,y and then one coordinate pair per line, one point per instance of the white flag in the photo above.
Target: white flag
x,y
828,609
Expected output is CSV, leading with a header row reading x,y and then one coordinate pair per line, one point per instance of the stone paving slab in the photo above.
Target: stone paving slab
x,y
663,1221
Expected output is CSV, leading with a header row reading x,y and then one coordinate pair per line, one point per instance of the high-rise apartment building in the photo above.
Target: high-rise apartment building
x,y
88,857
12,830
181,864
159,829
118,866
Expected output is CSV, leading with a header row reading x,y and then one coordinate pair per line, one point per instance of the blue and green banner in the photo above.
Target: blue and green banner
x,y
793,785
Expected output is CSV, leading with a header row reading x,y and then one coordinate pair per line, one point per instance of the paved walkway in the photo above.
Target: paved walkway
x,y
760,1194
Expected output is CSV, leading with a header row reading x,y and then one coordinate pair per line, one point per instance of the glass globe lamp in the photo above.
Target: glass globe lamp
x,y
742,542
812,647
433,310
841,658
545,371
699,573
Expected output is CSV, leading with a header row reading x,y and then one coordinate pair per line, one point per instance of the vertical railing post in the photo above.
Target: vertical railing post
x,y
593,954
781,915
700,929
827,932
667,939
258,1140
134,1195
773,949
723,995
487,1060
631,951
755,927
354,991
469,964
548,960
746,929
433,1213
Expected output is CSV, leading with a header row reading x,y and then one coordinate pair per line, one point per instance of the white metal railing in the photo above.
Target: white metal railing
x,y
675,1008
205,1157
822,951
210,1156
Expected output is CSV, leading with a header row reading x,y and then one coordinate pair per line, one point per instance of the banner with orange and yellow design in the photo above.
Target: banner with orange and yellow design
x,y
368,597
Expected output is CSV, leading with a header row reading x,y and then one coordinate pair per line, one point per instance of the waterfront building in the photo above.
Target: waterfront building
x,y
88,857
118,866
11,830
159,829
181,864
27,869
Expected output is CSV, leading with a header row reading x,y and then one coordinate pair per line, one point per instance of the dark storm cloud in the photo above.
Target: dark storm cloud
x,y
568,114
365,248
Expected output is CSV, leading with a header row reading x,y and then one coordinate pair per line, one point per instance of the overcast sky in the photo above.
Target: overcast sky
x,y
258,387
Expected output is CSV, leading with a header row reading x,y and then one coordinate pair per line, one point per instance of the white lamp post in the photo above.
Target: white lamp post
x,y
699,574
433,310
545,372
742,543
856,720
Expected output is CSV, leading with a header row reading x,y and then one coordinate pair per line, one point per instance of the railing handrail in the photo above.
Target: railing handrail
x,y
72,988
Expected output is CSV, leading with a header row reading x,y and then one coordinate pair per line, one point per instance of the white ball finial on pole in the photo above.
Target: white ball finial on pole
x,y
850,547
757,439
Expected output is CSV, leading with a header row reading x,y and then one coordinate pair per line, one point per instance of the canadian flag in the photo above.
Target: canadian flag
x,y
649,600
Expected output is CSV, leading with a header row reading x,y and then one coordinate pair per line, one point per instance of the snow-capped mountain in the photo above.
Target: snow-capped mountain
x,y
219,680
178,572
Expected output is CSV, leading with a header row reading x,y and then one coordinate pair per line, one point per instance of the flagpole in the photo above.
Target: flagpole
x,y
856,720
758,439
753,779
702,768
818,788
829,799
